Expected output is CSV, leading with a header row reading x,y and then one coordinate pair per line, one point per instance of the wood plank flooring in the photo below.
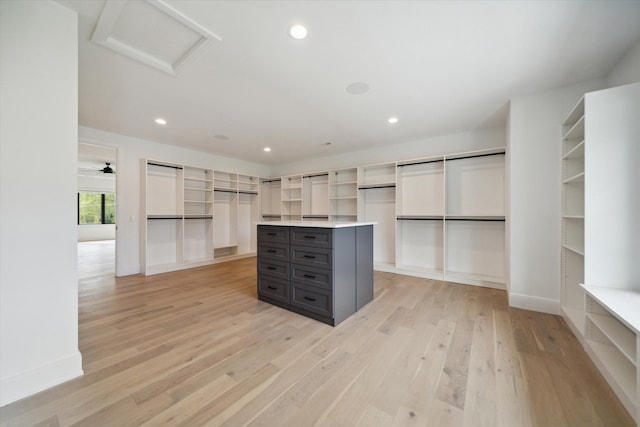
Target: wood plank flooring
x,y
197,348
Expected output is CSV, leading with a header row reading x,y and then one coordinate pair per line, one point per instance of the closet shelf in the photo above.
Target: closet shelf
x,y
575,152
574,179
573,248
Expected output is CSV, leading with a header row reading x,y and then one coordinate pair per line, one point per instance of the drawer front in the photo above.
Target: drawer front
x,y
273,234
274,289
316,237
312,276
311,256
276,269
314,300
274,251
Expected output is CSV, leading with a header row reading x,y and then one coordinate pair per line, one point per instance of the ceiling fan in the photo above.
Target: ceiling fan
x,y
106,170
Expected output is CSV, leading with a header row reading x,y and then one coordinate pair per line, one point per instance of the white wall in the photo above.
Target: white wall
x,y
39,115
95,232
129,179
453,143
627,70
534,200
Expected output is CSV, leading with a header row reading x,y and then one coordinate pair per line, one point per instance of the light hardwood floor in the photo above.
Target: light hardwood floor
x,y
96,258
196,348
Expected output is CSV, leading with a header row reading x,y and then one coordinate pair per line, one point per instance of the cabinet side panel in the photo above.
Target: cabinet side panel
x,y
612,193
344,273
364,265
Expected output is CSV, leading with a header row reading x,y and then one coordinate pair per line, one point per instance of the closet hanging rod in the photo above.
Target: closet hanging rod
x,y
315,175
370,187
419,218
495,219
164,166
272,180
421,163
199,217
224,190
502,153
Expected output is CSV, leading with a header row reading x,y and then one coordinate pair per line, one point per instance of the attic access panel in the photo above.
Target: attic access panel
x,y
151,32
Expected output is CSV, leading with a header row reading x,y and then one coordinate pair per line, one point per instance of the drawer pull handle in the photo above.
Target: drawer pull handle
x,y
309,237
310,276
271,268
271,234
310,256
273,288
309,298
271,251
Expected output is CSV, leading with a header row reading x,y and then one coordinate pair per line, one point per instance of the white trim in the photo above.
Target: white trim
x,y
102,35
16,387
528,302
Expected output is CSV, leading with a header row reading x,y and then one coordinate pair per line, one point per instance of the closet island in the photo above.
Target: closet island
x,y
320,269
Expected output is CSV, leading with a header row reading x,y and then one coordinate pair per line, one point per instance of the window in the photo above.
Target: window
x,y
96,208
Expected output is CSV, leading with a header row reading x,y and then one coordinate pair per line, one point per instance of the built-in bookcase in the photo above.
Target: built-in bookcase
x,y
197,216
572,252
601,234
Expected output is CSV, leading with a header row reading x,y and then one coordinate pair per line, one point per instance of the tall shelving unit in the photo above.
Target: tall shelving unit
x,y
343,195
420,216
572,251
198,214
376,202
601,234
291,198
315,200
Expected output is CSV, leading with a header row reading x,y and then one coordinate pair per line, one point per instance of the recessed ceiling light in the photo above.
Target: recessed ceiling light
x,y
392,120
267,149
358,88
221,137
298,32
161,121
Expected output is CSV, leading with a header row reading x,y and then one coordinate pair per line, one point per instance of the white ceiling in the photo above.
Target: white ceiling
x,y
439,66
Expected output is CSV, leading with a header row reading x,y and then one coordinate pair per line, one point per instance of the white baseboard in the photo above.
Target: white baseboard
x,y
16,387
527,302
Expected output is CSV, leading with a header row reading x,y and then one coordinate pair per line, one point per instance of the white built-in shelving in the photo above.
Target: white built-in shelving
x,y
572,252
271,199
196,216
601,234
420,214
377,202
291,188
315,203
343,195
440,217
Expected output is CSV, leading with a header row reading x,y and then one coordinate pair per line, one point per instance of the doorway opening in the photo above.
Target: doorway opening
x,y
96,210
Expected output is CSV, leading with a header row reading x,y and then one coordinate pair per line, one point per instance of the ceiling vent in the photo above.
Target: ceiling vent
x,y
151,32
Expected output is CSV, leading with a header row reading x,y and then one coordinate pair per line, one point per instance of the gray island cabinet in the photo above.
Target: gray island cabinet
x,y
322,270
